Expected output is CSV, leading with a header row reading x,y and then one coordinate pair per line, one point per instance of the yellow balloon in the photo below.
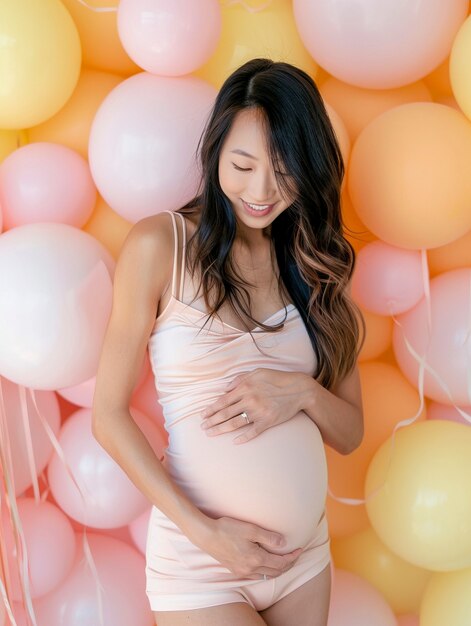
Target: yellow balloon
x,y
460,71
267,32
422,510
71,126
41,56
11,140
447,600
400,582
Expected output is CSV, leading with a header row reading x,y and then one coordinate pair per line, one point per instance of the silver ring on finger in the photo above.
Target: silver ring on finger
x,y
244,414
265,577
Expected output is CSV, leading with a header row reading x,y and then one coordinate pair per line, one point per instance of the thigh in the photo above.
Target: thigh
x,y
308,605
231,614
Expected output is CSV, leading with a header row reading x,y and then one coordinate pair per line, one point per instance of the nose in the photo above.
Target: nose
x,y
263,188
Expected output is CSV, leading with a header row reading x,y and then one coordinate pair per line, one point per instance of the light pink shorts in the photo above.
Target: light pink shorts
x,y
181,576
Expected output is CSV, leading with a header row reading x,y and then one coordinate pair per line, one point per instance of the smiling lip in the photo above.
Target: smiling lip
x,y
255,212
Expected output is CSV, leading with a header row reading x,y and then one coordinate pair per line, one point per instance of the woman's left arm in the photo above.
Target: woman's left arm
x,y
337,413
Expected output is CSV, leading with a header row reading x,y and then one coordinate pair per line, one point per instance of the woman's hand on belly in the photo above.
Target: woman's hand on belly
x,y
269,397
236,545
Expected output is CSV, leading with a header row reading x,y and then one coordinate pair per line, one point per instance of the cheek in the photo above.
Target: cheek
x,y
230,182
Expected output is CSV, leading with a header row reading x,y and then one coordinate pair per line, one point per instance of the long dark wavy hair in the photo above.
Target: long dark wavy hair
x,y
315,261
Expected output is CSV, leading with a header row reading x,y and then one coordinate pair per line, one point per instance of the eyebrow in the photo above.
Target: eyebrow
x,y
243,153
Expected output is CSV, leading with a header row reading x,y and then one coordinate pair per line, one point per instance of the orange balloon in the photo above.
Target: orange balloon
x,y
378,335
101,46
108,227
451,256
438,81
354,229
340,132
388,398
358,107
71,126
409,175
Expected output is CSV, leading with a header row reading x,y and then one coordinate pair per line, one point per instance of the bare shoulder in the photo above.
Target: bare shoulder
x,y
142,271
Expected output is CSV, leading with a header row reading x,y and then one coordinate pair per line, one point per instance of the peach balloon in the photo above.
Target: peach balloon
x,y
410,619
447,600
162,118
436,411
408,167
355,230
109,498
358,107
46,182
109,228
145,399
460,73
169,39
421,507
267,31
378,335
388,398
59,281
438,81
71,125
121,574
354,602
13,421
444,348
50,547
379,44
41,56
387,280
101,46
450,256
401,583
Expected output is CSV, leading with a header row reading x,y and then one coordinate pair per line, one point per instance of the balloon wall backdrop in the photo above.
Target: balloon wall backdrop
x,y
102,103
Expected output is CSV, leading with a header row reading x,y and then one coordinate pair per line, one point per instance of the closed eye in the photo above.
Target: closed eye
x,y
248,169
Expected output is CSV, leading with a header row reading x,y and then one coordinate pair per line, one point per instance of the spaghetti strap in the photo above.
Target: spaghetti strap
x,y
182,265
175,252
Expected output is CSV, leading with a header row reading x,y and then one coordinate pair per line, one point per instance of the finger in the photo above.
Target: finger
x,y
249,434
226,426
231,412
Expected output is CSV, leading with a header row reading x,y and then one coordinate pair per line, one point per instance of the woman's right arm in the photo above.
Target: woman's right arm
x,y
142,272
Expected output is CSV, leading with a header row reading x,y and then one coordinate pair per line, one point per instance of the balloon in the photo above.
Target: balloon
x,y
108,227
422,511
408,620
340,132
387,398
59,283
169,39
459,70
446,600
145,398
50,547
444,349
121,574
379,44
42,446
354,602
378,335
387,280
417,156
143,142
436,411
102,48
46,182
248,32
110,498
10,140
354,229
41,56
450,256
71,125
138,529
401,583
358,107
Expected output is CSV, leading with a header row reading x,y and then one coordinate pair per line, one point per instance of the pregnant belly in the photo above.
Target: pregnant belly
x,y
278,480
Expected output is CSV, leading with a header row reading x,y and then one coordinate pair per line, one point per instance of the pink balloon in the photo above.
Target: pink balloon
x,y
446,349
436,411
355,602
42,446
59,285
143,142
408,620
50,546
82,394
138,529
121,572
169,38
110,498
379,44
46,182
387,280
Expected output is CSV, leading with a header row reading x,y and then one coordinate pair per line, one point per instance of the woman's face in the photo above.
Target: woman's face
x,y
249,179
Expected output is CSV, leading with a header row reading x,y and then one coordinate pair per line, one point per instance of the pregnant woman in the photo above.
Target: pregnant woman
x,y
242,299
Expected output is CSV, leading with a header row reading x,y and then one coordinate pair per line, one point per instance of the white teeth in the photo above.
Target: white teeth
x,y
257,208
